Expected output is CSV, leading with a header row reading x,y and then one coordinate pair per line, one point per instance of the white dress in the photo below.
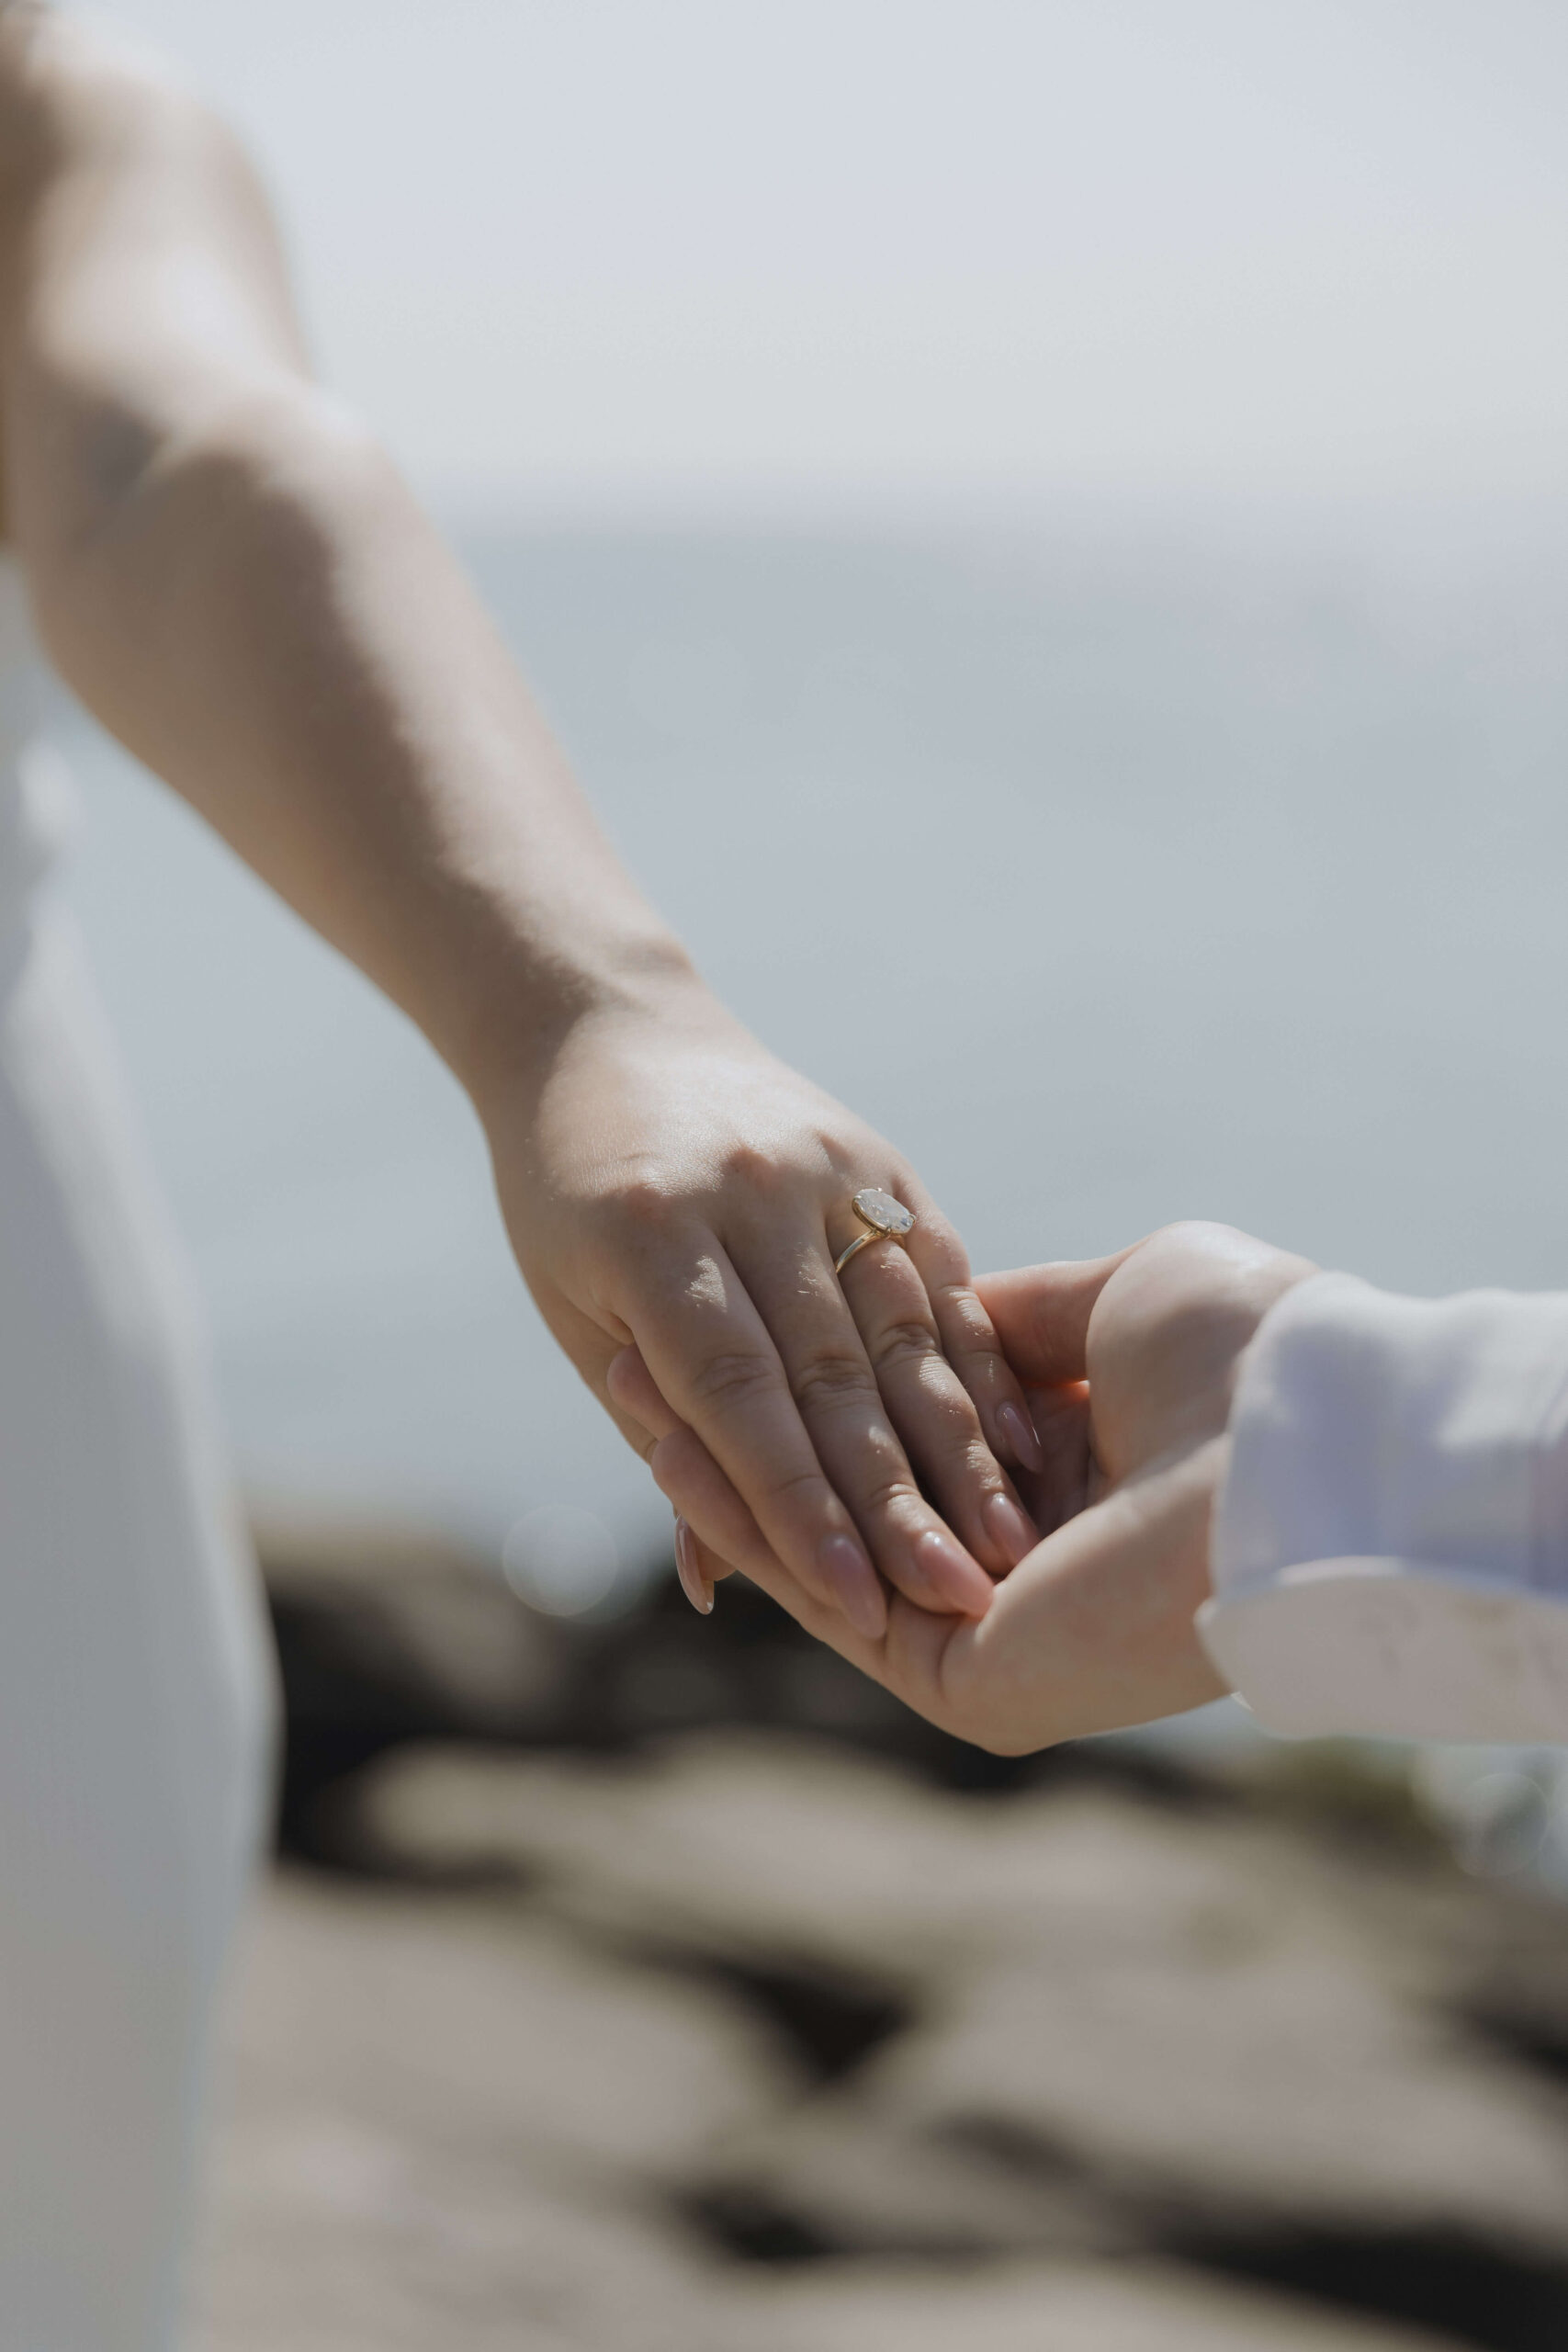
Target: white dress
x,y
135,1696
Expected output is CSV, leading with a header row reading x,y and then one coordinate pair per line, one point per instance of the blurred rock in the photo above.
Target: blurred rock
x,y
387,1636
1199,2021
445,2125
384,1636
1059,2307
668,2005
797,2048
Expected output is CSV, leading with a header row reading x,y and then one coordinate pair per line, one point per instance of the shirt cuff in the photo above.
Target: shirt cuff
x,y
1390,1553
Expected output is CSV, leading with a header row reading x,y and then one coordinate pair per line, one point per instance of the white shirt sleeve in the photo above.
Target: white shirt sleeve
x,y
1389,1551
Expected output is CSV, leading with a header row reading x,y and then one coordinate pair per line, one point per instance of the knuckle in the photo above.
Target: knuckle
x,y
904,1342
646,1206
968,1325
887,1493
733,1376
943,1252
832,1376
949,1404
755,1167
950,1428
809,1487
957,1295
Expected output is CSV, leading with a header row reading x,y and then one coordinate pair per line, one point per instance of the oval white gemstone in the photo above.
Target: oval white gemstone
x,y
880,1209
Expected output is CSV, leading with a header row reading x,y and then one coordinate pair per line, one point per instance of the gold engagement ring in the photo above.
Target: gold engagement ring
x,y
888,1220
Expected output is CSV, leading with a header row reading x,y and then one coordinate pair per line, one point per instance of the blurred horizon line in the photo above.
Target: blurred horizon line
x,y
1284,523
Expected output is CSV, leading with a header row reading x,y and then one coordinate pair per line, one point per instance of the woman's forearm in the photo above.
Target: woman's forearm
x,y
234,578
269,620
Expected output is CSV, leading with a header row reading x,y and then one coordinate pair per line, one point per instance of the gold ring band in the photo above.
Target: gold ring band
x,y
885,1218
861,1241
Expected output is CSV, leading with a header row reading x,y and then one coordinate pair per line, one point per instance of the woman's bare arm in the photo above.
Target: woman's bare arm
x,y
230,573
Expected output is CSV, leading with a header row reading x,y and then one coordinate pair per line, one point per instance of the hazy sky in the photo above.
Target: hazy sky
x,y
754,253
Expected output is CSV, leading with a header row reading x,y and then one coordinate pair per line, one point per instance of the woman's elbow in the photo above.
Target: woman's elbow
x,y
263,486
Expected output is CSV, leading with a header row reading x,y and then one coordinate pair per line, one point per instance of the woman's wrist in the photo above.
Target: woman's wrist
x,y
531,1007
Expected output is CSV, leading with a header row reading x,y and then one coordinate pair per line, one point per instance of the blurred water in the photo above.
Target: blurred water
x,y
1202,880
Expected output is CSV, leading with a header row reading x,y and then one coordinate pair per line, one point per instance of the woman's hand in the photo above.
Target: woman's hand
x,y
670,1184
234,578
1130,1362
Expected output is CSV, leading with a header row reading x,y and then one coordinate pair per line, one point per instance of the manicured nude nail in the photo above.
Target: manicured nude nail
x,y
1009,1529
855,1586
838,1560
1019,1431
689,1568
956,1580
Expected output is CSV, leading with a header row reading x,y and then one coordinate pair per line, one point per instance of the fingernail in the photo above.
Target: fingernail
x,y
855,1586
1019,1431
952,1574
1009,1528
689,1568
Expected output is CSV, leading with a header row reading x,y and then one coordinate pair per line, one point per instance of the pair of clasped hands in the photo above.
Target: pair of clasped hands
x,y
993,1495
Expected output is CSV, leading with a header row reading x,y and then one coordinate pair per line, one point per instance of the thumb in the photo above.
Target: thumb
x,y
1040,1314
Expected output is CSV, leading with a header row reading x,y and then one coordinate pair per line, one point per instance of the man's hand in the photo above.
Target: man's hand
x,y
1129,1363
